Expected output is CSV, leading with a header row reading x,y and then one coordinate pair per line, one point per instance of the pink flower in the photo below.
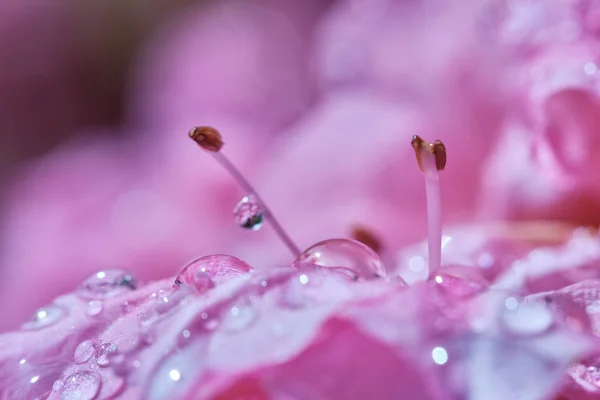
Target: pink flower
x,y
327,144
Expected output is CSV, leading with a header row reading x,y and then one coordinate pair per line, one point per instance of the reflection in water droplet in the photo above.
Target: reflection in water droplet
x,y
201,273
83,385
44,317
248,213
94,308
84,351
345,253
106,283
104,352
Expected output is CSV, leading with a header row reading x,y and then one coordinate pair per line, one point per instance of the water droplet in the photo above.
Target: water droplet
x,y
84,351
346,253
104,352
175,375
83,385
240,316
201,273
439,355
44,317
94,308
106,283
248,213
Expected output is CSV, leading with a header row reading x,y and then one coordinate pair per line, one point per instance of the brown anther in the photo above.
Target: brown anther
x,y
207,137
437,149
366,237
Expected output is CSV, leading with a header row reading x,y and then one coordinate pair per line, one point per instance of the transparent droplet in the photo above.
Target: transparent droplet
x,y
94,308
346,253
104,352
82,385
84,351
44,317
201,273
106,283
439,355
248,213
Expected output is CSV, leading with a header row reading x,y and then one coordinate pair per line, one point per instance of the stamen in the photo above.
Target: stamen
x,y
431,158
366,237
211,140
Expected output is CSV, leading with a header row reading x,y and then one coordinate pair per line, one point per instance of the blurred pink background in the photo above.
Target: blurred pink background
x,y
317,102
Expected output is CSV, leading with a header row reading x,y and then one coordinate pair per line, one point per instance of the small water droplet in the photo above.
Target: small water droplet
x,y
439,355
346,253
186,333
84,351
106,283
248,213
104,352
82,385
201,273
94,308
44,317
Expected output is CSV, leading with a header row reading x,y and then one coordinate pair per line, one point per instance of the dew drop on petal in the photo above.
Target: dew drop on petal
x,y
202,273
106,283
345,253
94,308
44,317
82,385
84,351
439,355
104,352
248,213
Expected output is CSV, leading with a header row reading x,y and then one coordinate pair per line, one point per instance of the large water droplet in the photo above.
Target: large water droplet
x,y
82,385
84,351
106,283
104,352
44,317
201,273
248,213
344,253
